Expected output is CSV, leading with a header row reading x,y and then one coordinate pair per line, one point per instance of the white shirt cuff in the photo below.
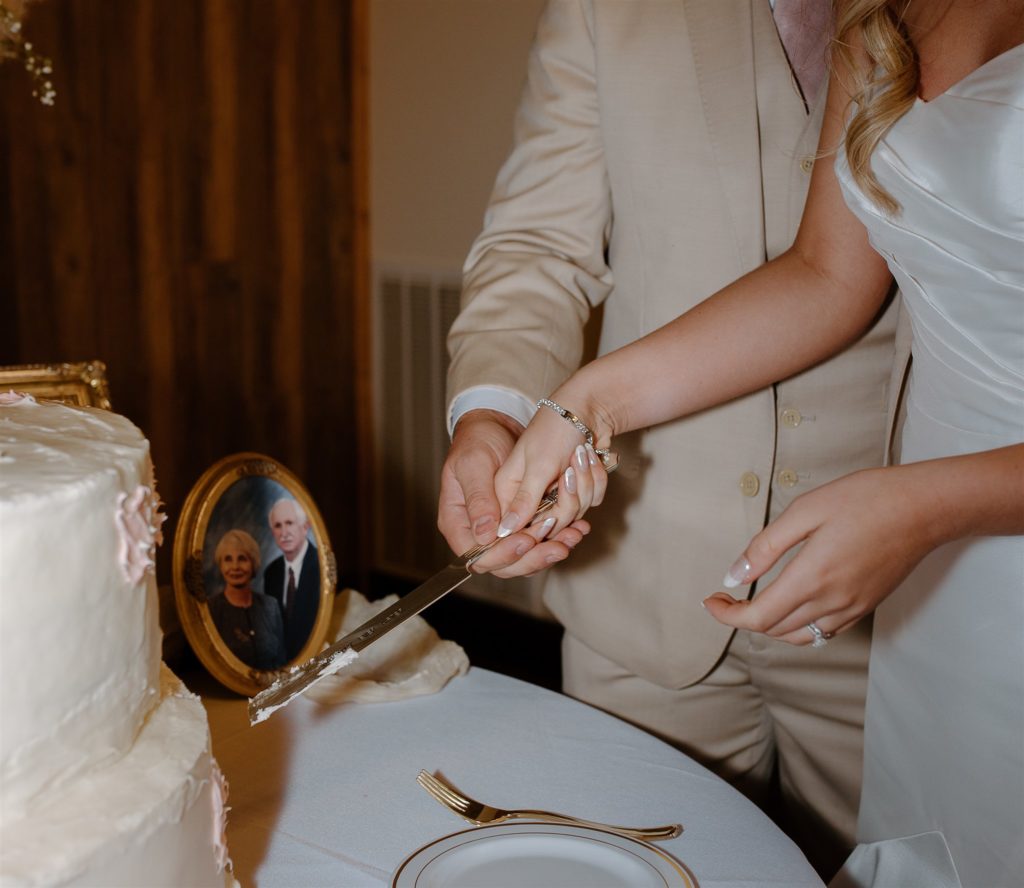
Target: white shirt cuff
x,y
491,397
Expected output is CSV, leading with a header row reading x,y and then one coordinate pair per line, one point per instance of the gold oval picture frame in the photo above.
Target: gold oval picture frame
x,y
254,572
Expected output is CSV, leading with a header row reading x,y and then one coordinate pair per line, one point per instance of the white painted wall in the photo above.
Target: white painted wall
x,y
445,78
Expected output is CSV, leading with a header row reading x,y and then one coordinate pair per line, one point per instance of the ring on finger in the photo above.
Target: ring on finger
x,y
821,638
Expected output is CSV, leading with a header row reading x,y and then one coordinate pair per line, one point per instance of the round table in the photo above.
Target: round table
x,y
327,796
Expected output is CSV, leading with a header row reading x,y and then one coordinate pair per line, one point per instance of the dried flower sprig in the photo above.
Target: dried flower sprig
x,y
14,46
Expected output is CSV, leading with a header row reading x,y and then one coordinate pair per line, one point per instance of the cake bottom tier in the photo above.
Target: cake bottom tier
x,y
155,817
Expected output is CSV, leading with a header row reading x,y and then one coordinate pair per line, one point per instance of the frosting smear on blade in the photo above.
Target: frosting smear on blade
x,y
330,666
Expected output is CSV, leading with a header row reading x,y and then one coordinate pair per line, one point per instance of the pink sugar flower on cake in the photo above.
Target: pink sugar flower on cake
x,y
160,517
11,397
139,519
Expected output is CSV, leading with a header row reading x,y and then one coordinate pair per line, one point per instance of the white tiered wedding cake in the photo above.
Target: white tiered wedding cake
x,y
106,774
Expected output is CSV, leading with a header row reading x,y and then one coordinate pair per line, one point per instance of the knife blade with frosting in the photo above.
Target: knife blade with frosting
x,y
346,649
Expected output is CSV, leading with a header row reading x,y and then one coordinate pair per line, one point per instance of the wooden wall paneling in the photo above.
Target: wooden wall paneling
x,y
157,222
359,255
326,113
187,212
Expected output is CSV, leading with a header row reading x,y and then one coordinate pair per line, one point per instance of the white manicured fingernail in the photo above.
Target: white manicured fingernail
x,y
570,480
591,455
509,523
545,528
738,574
581,458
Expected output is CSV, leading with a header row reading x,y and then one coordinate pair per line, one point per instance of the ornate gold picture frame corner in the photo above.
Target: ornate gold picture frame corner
x,y
81,384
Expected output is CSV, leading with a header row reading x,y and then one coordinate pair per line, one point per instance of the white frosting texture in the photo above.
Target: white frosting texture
x,y
149,819
79,642
105,765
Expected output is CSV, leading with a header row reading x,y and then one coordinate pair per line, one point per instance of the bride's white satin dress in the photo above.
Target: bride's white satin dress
x,y
944,734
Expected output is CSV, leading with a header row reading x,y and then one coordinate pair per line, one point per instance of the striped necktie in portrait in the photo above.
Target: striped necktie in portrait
x,y
804,27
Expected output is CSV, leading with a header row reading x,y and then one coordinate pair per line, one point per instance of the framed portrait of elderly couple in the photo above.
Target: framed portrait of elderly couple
x,y
254,574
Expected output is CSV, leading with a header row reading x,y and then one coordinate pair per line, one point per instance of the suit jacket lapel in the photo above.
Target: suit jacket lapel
x,y
309,566
723,51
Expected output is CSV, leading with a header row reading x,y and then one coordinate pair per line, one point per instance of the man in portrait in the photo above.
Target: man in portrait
x,y
293,578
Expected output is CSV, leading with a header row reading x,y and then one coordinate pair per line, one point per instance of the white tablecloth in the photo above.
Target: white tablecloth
x,y
328,796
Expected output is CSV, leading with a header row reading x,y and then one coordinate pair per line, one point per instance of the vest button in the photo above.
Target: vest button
x,y
788,478
791,417
749,484
807,164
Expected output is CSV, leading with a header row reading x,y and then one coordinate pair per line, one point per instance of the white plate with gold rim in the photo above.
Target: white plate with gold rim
x,y
513,855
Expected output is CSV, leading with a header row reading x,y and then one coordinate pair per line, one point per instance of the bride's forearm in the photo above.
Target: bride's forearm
x,y
777,320
976,494
781,318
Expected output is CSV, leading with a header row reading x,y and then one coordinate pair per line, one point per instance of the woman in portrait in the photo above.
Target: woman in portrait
x,y
249,622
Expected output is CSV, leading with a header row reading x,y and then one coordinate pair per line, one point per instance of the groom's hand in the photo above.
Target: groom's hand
x,y
468,508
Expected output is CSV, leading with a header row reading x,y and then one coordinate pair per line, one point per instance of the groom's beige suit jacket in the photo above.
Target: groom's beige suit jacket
x,y
662,150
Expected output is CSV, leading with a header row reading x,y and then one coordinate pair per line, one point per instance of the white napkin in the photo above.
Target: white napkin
x,y
410,661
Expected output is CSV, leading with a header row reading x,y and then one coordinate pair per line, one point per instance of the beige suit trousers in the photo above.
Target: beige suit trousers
x,y
764,700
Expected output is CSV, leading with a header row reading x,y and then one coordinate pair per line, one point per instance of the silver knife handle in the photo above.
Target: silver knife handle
x,y
610,460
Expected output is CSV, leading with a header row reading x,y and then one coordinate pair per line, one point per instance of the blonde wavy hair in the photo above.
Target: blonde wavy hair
x,y
883,91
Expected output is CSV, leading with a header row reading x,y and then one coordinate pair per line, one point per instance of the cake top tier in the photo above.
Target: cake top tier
x,y
48,447
79,630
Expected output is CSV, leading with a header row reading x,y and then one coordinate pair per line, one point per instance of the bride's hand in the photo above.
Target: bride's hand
x,y
861,535
468,508
549,452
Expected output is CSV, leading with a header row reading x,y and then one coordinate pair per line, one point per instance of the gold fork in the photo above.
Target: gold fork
x,y
480,814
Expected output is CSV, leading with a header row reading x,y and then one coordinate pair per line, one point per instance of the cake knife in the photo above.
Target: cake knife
x,y
345,649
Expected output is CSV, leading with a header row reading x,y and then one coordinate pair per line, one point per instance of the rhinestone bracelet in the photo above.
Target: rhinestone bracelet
x,y
571,417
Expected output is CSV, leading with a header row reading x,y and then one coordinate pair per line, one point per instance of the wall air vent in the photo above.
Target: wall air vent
x,y
413,310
